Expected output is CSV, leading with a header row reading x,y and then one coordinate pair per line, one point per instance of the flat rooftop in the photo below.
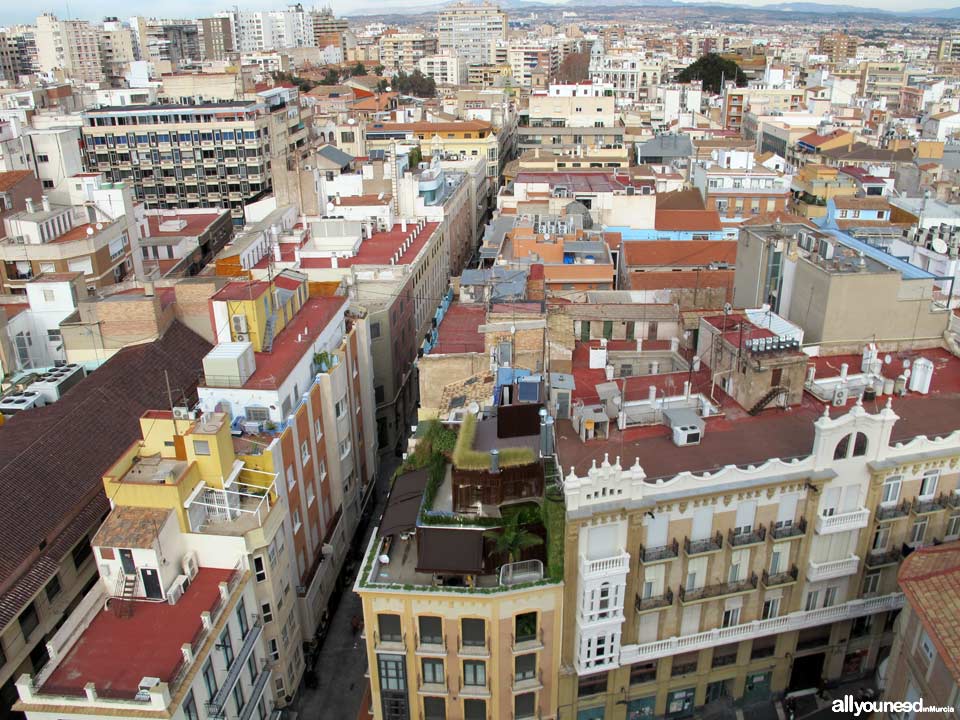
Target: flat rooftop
x,y
378,249
576,182
116,653
196,224
314,317
459,331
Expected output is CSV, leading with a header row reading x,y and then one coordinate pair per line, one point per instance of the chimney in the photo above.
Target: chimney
x,y
29,205
45,203
494,461
652,394
403,224
336,199
333,262
276,252
843,370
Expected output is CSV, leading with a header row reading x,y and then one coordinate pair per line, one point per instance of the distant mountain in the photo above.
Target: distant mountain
x,y
943,14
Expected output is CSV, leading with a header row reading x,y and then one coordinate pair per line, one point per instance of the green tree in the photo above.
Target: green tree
x,y
416,84
358,69
330,77
713,70
415,157
378,70
512,539
382,86
574,68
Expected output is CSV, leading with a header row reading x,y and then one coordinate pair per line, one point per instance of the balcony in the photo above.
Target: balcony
x,y
604,567
430,645
389,643
882,558
832,569
473,650
258,687
892,512
527,684
703,547
843,522
527,643
517,573
712,592
799,620
656,602
652,555
794,531
217,706
780,579
755,537
929,505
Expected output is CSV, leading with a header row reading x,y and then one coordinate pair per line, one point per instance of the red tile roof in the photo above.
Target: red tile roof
x,y
116,653
683,279
245,290
11,178
459,331
668,253
687,220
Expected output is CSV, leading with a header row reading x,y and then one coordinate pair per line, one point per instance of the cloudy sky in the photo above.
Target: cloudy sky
x,y
23,12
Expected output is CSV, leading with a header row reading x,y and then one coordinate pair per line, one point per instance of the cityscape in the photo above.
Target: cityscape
x,y
478,361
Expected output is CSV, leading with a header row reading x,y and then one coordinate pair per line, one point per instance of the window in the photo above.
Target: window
x,y
525,667
340,408
813,597
953,526
226,647
434,708
474,710
378,395
592,685
830,597
643,672
81,552
526,627
53,587
259,571
871,583
918,530
374,330
474,632
273,649
190,707
860,445
209,679
201,447
242,620
48,295
54,335
891,490
525,705
926,646
731,617
29,620
238,699
475,673
771,608
266,612
252,668
318,429
296,520
928,485
389,626
304,453
42,157
432,671
431,630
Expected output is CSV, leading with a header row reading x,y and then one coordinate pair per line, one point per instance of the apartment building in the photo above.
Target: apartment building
x,y
168,43
454,626
205,155
256,31
445,69
923,660
450,139
215,35
760,100
633,77
402,51
330,31
839,47
740,188
471,32
174,622
89,227
116,48
704,565
287,367
530,59
882,81
68,49
811,273
180,243
48,563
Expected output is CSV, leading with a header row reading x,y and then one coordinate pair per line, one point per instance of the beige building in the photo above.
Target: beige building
x,y
403,51
471,32
819,279
68,49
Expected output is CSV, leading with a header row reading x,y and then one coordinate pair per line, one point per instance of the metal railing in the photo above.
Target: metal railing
x,y
216,707
524,571
698,547
928,505
879,558
892,512
657,601
780,578
718,590
754,537
258,688
789,531
663,552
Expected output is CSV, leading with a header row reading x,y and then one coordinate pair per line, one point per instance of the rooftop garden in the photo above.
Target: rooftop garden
x,y
466,458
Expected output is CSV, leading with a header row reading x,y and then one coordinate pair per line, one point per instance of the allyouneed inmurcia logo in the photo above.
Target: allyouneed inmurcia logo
x,y
847,704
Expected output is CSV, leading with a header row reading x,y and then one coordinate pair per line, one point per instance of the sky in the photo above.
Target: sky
x,y
12,12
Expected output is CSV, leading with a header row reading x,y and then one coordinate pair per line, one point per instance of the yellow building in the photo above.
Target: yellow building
x,y
456,139
814,185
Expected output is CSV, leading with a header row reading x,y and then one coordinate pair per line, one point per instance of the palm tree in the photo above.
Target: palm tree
x,y
512,539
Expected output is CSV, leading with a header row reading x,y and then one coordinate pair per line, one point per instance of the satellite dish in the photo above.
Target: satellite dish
x,y
473,408
351,121
939,246
89,231
906,364
727,308
99,226
887,359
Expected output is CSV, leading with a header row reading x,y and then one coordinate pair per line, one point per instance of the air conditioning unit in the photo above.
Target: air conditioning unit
x,y
686,435
239,323
146,684
177,589
190,565
242,337
184,413
326,549
841,395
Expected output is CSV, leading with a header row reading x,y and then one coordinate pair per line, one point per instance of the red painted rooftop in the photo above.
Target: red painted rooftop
x,y
737,438
582,182
378,249
246,290
459,330
116,653
274,367
197,224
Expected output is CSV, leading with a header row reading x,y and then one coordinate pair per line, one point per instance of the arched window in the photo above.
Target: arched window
x,y
842,448
860,445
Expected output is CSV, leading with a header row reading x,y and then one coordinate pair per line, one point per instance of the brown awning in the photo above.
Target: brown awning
x,y
450,550
403,507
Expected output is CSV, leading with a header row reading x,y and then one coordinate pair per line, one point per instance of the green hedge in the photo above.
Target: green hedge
x,y
466,458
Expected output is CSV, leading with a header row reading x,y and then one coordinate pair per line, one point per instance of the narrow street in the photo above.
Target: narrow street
x,y
342,662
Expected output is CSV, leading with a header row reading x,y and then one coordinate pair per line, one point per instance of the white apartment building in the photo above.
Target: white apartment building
x,y
68,49
633,77
445,69
255,31
471,32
